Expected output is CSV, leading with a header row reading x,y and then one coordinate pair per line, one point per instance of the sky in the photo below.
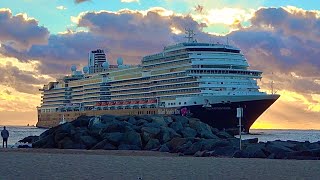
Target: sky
x,y
40,40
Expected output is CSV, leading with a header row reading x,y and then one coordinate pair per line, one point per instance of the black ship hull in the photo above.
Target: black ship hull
x,y
223,116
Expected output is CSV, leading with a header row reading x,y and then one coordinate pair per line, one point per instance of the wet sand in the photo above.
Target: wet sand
x,y
81,164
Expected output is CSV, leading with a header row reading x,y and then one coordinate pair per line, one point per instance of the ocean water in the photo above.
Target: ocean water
x,y
17,133
265,135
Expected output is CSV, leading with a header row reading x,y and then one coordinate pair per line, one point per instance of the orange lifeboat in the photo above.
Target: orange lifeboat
x,y
103,103
119,103
98,104
112,103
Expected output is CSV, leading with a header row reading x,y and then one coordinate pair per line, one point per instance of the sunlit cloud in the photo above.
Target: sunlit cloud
x,y
61,8
130,1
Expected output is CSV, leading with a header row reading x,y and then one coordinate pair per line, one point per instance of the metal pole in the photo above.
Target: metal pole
x,y
240,132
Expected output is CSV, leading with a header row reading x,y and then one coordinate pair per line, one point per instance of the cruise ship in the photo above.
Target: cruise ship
x,y
208,81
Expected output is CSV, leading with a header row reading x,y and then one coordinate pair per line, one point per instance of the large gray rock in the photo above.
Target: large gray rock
x,y
203,130
211,144
81,121
104,145
152,144
151,130
88,141
159,120
96,125
132,121
223,135
184,120
114,138
46,142
132,138
66,143
188,132
29,139
166,134
164,148
226,151
175,143
183,148
195,147
108,118
177,126
255,151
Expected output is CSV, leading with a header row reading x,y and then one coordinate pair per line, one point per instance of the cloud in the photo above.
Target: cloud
x,y
130,1
61,8
19,31
126,33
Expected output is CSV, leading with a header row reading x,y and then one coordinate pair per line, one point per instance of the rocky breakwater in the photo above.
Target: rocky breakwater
x,y
174,134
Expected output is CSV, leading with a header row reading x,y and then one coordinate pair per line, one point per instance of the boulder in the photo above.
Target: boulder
x,y
183,148
66,143
114,138
152,144
200,154
159,120
177,126
166,134
175,143
197,146
109,118
104,145
88,141
96,125
203,130
223,135
29,139
211,144
81,121
132,138
164,148
226,151
151,130
46,142
255,151
132,121
251,141
168,119
184,120
188,132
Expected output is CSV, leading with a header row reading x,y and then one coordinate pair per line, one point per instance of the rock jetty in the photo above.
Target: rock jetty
x,y
173,134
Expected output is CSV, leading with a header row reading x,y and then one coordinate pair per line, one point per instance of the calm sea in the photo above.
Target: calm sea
x,y
18,133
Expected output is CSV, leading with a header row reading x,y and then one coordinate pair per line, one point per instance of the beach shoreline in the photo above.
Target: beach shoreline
x,y
101,164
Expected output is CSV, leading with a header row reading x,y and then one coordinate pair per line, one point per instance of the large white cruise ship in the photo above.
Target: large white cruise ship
x,y
204,80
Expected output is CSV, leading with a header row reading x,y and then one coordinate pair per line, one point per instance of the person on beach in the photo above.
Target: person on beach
x,y
5,135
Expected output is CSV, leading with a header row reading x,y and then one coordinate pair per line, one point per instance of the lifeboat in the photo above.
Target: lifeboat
x,y
112,103
98,104
119,103
103,103
152,101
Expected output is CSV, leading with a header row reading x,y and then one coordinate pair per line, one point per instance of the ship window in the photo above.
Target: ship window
x,y
195,102
185,102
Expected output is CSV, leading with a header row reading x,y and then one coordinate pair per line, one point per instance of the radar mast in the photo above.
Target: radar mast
x,y
190,36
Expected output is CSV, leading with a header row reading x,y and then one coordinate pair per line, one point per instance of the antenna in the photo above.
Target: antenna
x,y
190,36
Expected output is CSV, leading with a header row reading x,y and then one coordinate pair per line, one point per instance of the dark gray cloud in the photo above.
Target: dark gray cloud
x,y
20,32
22,81
283,42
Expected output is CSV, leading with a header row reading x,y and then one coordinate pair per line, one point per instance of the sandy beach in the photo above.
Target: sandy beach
x,y
79,164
